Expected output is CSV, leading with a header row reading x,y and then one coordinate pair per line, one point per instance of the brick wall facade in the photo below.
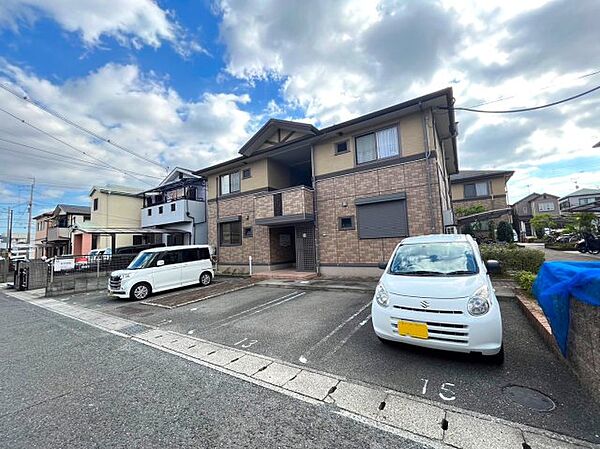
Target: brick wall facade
x,y
336,196
583,351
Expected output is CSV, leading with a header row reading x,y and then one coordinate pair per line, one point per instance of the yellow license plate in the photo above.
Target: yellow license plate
x,y
417,330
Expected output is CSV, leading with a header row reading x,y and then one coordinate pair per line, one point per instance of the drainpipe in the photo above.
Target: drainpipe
x,y
315,215
432,226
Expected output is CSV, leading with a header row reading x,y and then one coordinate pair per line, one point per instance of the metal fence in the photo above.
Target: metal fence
x,y
70,274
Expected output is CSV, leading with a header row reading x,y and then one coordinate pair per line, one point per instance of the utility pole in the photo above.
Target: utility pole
x,y
9,232
30,211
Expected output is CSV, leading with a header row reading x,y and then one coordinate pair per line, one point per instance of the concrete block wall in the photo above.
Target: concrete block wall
x,y
584,345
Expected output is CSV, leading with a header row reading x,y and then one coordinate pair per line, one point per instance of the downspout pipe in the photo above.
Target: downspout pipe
x,y
432,226
314,185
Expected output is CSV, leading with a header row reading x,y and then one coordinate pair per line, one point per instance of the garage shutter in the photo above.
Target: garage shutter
x,y
382,219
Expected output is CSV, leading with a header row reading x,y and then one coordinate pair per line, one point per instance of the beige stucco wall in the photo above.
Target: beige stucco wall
x,y
497,187
411,142
115,211
259,179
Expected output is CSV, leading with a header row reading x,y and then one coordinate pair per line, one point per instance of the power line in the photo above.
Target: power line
x,y
69,145
78,126
534,108
65,159
595,72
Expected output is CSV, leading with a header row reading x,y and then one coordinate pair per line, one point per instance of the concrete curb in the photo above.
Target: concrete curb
x,y
437,424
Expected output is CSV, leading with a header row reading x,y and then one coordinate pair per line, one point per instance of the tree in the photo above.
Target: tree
x,y
541,222
469,210
582,221
504,232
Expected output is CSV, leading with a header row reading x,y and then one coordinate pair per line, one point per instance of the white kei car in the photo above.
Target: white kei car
x,y
436,292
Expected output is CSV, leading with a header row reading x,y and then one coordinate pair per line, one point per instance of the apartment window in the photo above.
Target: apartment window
x,y
584,201
246,173
173,207
341,147
546,207
138,240
230,183
346,223
476,189
378,145
248,232
160,209
230,233
95,203
382,216
149,212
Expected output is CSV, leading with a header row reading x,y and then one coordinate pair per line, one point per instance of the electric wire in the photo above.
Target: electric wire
x,y
46,109
69,145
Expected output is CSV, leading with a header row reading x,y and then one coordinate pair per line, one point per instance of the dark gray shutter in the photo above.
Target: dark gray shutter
x,y
382,219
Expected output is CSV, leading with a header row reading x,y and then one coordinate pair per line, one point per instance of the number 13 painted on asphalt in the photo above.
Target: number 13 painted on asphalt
x,y
445,392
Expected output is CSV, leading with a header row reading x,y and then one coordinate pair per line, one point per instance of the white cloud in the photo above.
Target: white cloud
x,y
125,105
339,59
131,22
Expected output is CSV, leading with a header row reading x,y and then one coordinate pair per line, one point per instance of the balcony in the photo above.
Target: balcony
x,y
291,205
58,233
173,212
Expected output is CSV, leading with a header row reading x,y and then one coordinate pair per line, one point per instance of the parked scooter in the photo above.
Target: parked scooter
x,y
588,244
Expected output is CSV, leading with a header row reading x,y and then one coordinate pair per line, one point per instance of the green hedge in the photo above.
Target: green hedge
x,y
562,246
513,257
525,279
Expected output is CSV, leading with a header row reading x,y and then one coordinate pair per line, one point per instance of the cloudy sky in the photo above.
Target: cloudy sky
x,y
185,82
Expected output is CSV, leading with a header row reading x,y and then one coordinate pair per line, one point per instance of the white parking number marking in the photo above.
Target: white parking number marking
x,y
245,343
445,393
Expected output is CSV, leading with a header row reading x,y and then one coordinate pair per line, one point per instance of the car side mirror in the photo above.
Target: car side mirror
x,y
493,266
382,265
160,263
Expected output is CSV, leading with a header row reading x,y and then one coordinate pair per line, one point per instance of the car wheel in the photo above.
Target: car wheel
x,y
140,291
205,279
497,359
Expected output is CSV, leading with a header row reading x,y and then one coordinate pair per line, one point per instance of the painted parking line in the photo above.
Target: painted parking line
x,y
431,423
227,321
348,337
306,356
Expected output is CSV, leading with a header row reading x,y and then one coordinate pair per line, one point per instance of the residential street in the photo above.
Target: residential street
x,y
570,256
66,384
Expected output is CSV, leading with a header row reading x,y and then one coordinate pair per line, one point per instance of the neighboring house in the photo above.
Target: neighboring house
x,y
112,208
60,228
41,233
530,206
335,200
178,207
485,188
576,201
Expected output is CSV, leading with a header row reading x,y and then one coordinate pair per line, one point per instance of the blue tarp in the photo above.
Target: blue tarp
x,y
556,283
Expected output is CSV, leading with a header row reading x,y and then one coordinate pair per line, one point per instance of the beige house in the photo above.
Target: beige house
x,y
112,207
335,200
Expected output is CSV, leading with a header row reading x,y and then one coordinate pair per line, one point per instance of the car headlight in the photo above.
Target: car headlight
x,y
479,303
125,276
381,295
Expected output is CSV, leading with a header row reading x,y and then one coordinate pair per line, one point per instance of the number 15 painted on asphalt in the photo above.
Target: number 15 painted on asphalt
x,y
446,393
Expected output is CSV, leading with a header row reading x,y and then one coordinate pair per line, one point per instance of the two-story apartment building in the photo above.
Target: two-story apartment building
x,y
177,206
335,200
486,188
530,206
60,228
41,234
577,200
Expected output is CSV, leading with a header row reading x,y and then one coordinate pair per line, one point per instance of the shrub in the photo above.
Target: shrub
x,y
504,233
525,279
562,246
514,257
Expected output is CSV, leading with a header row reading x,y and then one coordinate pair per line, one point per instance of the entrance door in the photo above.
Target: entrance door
x,y
305,248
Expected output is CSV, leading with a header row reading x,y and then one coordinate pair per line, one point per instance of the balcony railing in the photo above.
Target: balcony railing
x,y
294,204
58,233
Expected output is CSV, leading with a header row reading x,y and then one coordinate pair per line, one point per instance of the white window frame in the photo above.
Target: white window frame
x,y
377,149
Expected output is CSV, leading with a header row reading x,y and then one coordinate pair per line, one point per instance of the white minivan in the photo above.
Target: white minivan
x,y
436,292
158,269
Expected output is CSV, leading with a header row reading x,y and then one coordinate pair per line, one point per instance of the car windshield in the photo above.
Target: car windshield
x,y
143,260
434,259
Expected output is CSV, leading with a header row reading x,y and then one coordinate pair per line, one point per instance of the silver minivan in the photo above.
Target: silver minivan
x,y
159,269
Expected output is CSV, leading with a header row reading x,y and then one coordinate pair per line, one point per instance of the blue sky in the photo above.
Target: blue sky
x,y
187,82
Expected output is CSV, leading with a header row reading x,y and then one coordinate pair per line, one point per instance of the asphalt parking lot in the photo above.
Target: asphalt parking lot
x,y
331,331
